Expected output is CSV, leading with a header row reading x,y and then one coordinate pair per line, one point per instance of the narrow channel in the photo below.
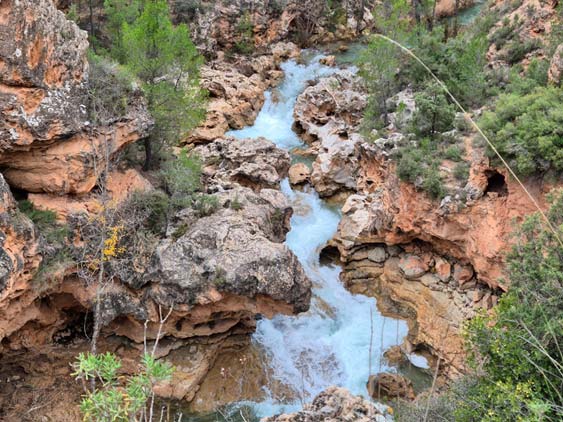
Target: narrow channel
x,y
328,345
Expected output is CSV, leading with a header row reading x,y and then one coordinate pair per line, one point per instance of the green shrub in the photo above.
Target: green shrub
x,y
110,86
526,129
453,153
504,34
433,114
461,171
42,219
517,50
182,175
410,165
108,397
204,204
519,346
235,204
432,183
154,206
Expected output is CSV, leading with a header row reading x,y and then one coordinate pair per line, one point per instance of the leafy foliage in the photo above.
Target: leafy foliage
x,y
166,61
114,400
434,114
527,129
518,347
110,86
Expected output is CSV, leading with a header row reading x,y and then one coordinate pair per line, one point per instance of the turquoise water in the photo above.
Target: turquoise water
x,y
329,345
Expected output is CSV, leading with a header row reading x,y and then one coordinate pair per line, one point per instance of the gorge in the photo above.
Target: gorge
x,y
288,214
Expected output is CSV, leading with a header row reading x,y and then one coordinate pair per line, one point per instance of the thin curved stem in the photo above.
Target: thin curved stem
x,y
468,117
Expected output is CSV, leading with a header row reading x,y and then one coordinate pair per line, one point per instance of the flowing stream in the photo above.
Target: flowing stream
x,y
328,345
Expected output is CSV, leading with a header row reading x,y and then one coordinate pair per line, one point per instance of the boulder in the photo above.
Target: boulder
x,y
390,386
377,254
462,273
328,60
336,404
238,251
412,266
329,112
443,269
299,173
253,162
395,356
555,72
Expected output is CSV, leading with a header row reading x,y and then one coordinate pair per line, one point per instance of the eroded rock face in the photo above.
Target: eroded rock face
x,y
475,226
47,143
217,24
327,115
19,259
235,251
214,273
337,404
236,90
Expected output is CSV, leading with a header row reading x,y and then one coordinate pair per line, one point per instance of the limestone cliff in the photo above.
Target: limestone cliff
x,y
48,141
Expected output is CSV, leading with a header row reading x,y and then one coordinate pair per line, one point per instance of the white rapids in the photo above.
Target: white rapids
x,y
329,344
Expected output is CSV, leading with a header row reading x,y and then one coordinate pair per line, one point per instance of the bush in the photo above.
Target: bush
x,y
42,219
109,88
453,153
433,183
519,346
461,171
504,34
526,129
517,50
182,175
111,399
433,114
410,165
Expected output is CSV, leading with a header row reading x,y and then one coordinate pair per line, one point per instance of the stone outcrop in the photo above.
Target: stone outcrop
x,y
327,115
526,28
215,273
120,185
19,259
48,143
236,90
254,163
228,25
555,72
389,386
337,404
299,173
435,293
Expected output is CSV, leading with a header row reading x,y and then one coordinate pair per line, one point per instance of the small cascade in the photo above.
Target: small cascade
x,y
331,343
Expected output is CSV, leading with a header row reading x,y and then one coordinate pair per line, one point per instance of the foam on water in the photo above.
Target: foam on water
x,y
328,345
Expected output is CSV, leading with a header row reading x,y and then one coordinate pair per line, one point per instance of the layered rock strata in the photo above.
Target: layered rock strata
x,y
48,143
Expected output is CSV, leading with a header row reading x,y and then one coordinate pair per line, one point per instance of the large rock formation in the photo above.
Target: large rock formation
x,y
327,115
48,143
236,90
337,404
19,259
215,273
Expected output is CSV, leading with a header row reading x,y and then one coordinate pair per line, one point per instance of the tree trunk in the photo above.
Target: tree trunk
x,y
456,11
416,11
148,154
91,9
433,19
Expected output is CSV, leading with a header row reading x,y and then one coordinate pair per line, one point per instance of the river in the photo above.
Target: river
x,y
330,344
